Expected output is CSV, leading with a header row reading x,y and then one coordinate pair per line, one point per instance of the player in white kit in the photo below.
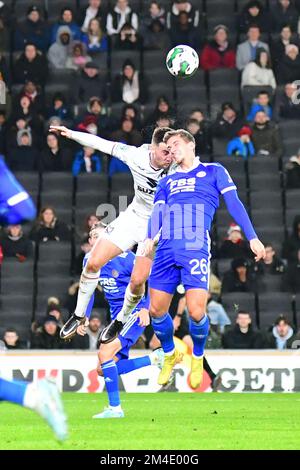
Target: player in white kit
x,y
148,164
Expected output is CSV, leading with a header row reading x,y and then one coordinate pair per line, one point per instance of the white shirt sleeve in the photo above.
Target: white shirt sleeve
x,y
93,141
128,154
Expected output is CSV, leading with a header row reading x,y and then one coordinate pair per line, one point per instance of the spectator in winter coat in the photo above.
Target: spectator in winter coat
x,y
288,69
93,10
243,336
86,161
24,157
239,278
262,103
66,20
218,53
227,123
12,340
278,47
282,335
246,51
59,108
15,244
265,136
34,31
286,107
59,51
156,12
90,83
235,246
283,13
121,14
271,264
180,6
183,32
242,145
54,157
31,65
49,228
129,86
78,58
292,172
48,336
259,72
253,13
94,39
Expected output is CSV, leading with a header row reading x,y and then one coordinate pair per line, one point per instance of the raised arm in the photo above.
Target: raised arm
x,y
237,210
85,139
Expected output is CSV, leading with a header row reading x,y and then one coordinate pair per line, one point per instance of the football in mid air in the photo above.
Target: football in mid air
x,y
182,61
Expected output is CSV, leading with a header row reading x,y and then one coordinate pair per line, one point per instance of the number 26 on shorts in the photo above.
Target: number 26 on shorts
x,y
199,266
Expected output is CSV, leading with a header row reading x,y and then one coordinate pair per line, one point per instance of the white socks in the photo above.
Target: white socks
x,y
130,302
87,284
31,396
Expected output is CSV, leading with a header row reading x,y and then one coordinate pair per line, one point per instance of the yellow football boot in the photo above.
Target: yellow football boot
x,y
196,375
169,363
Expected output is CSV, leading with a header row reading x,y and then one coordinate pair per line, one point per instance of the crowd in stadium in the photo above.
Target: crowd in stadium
x,y
99,67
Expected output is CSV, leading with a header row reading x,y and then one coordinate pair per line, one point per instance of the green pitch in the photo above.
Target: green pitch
x,y
164,421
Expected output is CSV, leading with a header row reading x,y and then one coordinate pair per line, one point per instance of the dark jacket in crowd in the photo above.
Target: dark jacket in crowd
x,y
267,138
232,283
60,161
277,267
23,158
42,340
35,71
226,130
58,232
288,70
292,169
100,15
88,87
245,20
35,33
229,249
274,340
285,108
16,246
292,245
281,17
235,339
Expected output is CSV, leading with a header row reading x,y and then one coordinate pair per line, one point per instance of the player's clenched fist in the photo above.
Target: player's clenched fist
x,y
62,130
258,249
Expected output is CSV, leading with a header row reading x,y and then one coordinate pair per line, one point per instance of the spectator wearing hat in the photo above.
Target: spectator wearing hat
x,y
246,51
286,107
34,31
282,334
239,278
86,160
15,244
59,51
122,13
94,10
292,172
265,136
31,65
12,340
182,6
283,13
78,58
218,53
243,336
242,145
66,19
288,69
54,157
47,337
261,103
253,13
259,72
90,83
129,86
235,246
227,123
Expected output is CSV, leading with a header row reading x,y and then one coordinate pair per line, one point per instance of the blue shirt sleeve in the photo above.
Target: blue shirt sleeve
x,y
237,210
224,182
156,219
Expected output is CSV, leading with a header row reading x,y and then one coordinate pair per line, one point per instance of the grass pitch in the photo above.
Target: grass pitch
x,y
163,421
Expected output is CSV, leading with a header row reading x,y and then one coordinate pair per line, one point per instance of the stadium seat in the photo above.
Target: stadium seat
x,y
30,182
53,252
15,303
55,7
217,8
290,146
219,77
292,208
59,76
91,183
263,164
235,301
273,304
268,181
154,60
11,268
272,283
289,128
223,265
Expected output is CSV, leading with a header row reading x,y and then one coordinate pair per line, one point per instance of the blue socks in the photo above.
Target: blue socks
x,y
199,332
164,330
12,391
110,373
127,365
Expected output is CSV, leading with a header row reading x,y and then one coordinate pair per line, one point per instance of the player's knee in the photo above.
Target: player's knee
x,y
156,311
197,313
106,352
137,283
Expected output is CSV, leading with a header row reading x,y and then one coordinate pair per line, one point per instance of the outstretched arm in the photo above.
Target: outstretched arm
x,y
88,140
237,210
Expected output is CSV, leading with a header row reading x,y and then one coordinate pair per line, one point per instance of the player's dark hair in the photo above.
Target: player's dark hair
x,y
185,135
159,134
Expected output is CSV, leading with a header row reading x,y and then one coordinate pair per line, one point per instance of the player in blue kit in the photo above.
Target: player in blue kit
x,y
16,206
184,207
113,356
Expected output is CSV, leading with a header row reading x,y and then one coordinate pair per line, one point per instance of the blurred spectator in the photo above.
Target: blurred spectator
x,y
59,51
204,134
130,111
78,58
129,86
127,39
24,157
201,136
253,13
246,51
3,131
218,53
239,278
292,172
156,13
242,144
96,114
66,20
127,134
179,6
288,69
261,103
265,137
282,335
163,108
85,248
94,39
90,83
5,35
35,95
271,264
235,246
218,317
283,13
34,31
291,251
215,285
93,10
54,310
15,244
259,72
227,123
90,220
31,65
5,74
278,47
25,109
5,14
47,337
183,32
59,107
243,336
286,107
86,161
121,14
12,340
155,36
49,228
54,157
